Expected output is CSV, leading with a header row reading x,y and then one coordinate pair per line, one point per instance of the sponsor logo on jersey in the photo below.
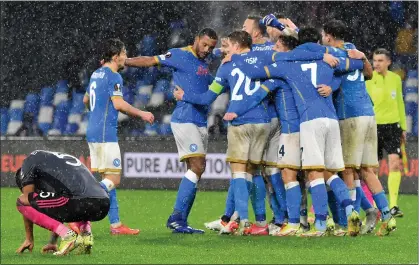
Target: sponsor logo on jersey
x,y
116,162
193,147
202,70
252,60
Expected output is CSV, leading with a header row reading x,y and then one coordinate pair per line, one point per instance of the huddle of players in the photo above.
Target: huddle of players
x,y
315,129
54,185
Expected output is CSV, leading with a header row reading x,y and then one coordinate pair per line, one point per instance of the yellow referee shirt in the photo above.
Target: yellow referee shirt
x,y
387,96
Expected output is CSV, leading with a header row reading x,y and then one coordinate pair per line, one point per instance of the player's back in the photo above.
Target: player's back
x,y
352,99
286,108
60,173
193,76
103,119
242,87
303,78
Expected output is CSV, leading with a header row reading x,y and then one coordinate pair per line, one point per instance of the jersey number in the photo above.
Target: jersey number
x,y
355,76
281,150
313,71
247,90
92,95
76,163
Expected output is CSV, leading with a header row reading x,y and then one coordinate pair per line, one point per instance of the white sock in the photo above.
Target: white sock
x,y
108,184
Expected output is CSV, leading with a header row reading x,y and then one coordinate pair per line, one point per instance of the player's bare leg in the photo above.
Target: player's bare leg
x,y
374,184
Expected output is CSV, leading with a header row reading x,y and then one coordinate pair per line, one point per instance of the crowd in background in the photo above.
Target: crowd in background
x,y
44,42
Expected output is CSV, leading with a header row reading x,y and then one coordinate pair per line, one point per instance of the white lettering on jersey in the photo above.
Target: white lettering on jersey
x,y
98,75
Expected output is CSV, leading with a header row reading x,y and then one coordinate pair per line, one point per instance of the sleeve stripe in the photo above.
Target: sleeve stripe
x,y
265,88
327,50
156,58
268,74
116,97
347,64
86,94
273,56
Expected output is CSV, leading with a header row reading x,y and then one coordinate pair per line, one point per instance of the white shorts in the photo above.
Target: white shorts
x,y
270,154
321,146
359,141
246,143
105,158
289,152
191,140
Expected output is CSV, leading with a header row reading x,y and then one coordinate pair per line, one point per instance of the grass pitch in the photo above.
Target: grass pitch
x,y
149,210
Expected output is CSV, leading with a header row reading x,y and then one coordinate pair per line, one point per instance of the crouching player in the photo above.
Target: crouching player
x,y
57,188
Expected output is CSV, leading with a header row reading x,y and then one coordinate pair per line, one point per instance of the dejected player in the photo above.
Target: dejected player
x,y
56,188
104,98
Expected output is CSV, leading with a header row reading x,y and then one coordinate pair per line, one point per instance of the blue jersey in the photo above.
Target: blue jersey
x,y
303,78
264,46
192,75
103,120
352,99
229,76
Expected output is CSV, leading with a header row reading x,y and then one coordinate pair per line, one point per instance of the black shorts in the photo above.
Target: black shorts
x,y
389,139
68,210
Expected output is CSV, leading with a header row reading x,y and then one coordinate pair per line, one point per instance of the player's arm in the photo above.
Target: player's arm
x,y
273,71
349,65
121,105
115,93
142,61
240,107
86,99
22,201
297,55
368,70
206,98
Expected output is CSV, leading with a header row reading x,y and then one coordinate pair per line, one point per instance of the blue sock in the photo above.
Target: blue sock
x,y
279,189
341,192
113,213
293,193
382,205
241,195
365,203
274,206
189,207
343,220
319,198
257,196
333,205
359,194
229,210
185,194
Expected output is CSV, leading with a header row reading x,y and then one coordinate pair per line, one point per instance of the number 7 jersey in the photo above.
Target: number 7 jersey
x,y
103,120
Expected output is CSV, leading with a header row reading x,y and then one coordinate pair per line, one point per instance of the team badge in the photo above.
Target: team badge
x,y
193,147
116,162
168,55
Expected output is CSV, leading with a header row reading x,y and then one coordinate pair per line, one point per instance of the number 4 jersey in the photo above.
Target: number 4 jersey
x,y
59,173
103,121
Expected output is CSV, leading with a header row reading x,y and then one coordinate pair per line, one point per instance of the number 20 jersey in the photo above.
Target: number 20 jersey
x,y
103,120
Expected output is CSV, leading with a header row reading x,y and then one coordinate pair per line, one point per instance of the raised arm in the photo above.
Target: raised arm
x,y
368,70
206,98
349,65
142,61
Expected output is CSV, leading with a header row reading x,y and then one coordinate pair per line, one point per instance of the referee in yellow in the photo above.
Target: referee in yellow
x,y
385,90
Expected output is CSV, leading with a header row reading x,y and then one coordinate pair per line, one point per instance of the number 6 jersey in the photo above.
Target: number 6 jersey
x,y
59,173
103,120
